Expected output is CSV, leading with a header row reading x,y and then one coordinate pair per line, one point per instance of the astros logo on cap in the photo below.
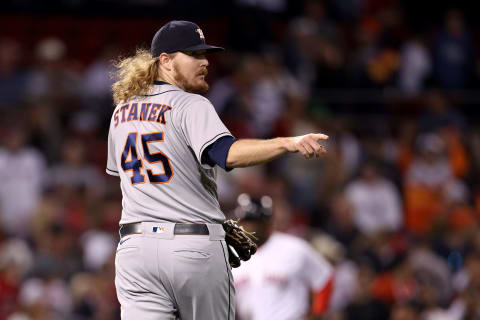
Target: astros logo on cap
x,y
199,31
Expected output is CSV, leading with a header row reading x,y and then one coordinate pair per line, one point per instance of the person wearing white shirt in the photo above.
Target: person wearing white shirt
x,y
286,278
376,202
22,172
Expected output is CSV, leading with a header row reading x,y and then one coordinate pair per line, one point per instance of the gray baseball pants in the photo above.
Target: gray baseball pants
x,y
162,276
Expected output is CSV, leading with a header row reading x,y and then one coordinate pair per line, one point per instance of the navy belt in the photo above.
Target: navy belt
x,y
180,229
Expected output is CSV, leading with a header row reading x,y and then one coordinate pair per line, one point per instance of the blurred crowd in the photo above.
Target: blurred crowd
x,y
394,206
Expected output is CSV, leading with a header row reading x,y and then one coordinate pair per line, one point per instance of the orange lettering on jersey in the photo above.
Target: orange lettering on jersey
x,y
144,111
161,115
115,118
153,111
133,112
123,109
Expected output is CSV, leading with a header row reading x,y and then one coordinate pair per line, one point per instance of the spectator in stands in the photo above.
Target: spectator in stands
x,y
365,306
453,53
232,95
97,80
375,201
271,92
57,254
16,260
44,299
311,48
23,175
341,224
415,66
439,113
430,184
405,311
52,78
13,78
73,171
430,168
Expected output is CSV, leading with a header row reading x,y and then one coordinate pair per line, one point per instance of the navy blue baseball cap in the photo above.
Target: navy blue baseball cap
x,y
180,36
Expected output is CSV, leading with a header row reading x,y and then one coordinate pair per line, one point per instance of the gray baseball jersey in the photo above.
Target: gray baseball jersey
x,y
155,144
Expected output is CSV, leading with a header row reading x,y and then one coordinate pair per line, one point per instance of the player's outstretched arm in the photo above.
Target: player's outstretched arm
x,y
250,152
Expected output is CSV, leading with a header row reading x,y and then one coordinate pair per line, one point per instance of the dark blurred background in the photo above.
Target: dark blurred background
x,y
395,205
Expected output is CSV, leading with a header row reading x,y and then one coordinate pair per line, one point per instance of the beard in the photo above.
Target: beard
x,y
193,86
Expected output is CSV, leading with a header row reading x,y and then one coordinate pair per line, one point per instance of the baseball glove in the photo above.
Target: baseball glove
x,y
241,245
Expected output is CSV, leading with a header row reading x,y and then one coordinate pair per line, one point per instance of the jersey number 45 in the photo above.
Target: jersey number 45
x,y
135,163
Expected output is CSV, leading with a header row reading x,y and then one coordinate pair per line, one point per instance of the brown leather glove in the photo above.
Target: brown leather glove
x,y
241,245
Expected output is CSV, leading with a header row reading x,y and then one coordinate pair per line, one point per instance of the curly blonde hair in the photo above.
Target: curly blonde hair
x,y
134,75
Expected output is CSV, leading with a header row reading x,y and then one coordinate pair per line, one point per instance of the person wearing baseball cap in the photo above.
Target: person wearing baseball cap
x,y
177,37
166,143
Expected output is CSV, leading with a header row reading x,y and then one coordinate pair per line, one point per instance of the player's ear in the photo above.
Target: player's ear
x,y
165,60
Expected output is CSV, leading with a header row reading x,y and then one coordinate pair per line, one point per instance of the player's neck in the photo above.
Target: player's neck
x,y
168,79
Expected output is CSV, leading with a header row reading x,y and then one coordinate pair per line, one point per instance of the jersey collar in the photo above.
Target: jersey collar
x,y
157,82
160,87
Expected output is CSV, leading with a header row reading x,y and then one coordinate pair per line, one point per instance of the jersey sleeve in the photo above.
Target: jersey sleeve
x,y
112,168
217,152
202,126
318,271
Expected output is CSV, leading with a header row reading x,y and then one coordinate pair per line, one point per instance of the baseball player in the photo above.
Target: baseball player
x,y
165,142
285,274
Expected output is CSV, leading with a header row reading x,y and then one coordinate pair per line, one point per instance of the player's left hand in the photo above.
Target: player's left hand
x,y
241,245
